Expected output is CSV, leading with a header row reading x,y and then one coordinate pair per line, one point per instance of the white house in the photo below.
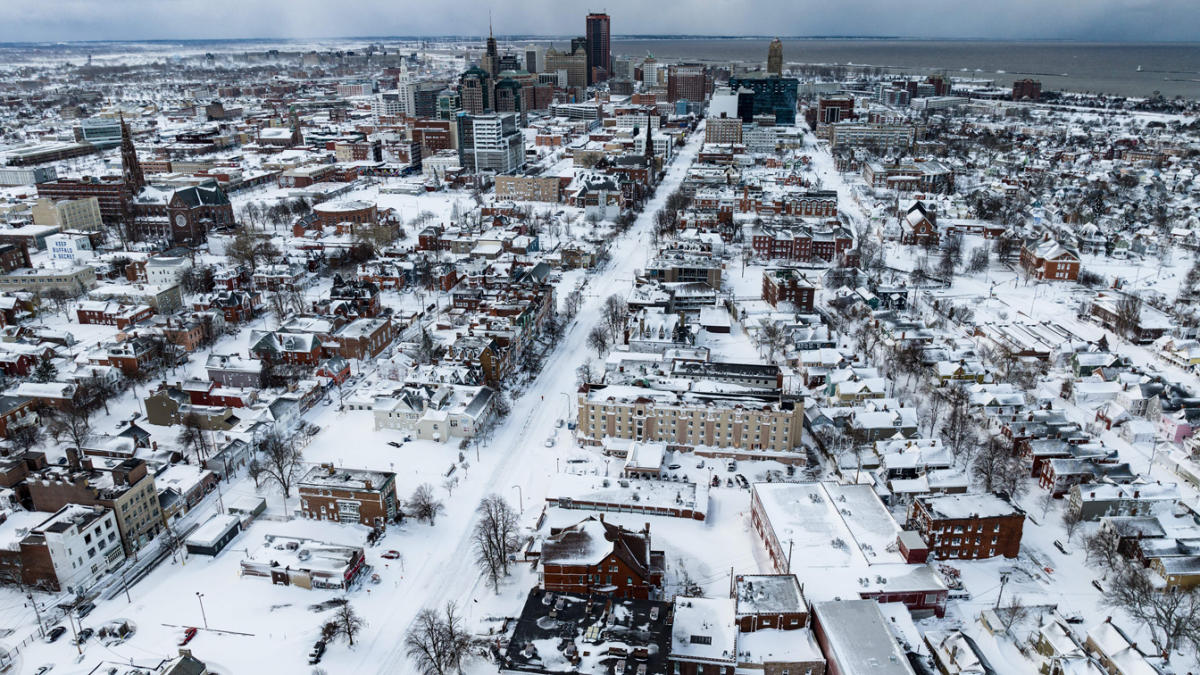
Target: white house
x,y
166,271
84,544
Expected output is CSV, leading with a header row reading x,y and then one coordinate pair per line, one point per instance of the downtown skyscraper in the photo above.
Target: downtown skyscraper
x,y
599,48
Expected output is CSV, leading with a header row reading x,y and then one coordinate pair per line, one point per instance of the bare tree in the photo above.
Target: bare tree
x,y
348,622
1103,546
959,429
280,462
1129,316
772,338
933,410
191,436
73,423
424,505
25,436
1072,518
979,260
598,340
1011,614
438,644
1172,614
998,468
496,538
614,314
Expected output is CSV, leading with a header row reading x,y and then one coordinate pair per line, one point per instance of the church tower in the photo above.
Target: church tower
x,y
131,169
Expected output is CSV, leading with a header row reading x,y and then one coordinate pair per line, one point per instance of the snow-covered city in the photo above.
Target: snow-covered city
x,y
550,355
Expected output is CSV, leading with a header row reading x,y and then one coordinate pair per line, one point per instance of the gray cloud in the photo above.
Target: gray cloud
x,y
1115,20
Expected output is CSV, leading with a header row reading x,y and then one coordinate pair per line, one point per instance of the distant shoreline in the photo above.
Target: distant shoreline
x,y
615,38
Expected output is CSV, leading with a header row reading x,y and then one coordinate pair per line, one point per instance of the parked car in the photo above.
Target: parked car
x,y
85,609
741,481
84,635
55,633
394,444
391,555
731,465
550,442
44,669
188,634
673,467
700,464
558,424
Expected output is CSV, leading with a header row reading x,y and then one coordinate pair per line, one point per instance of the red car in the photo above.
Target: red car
x,y
187,636
391,555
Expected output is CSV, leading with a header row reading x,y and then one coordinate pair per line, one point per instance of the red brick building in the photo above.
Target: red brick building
x,y
781,284
1048,260
918,226
112,313
348,495
14,257
968,526
595,557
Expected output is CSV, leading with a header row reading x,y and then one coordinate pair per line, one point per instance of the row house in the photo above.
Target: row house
x,y
351,297
808,204
273,347
800,242
238,306
110,313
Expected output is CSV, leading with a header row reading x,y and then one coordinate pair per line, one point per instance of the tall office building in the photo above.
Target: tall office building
x,y
574,62
599,50
475,91
498,143
535,58
491,57
772,96
775,58
387,104
686,82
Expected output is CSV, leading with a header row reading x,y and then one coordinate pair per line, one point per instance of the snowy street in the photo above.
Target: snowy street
x,y
516,456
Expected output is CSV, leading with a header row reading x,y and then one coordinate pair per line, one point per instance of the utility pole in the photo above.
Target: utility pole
x,y
71,622
1003,581
789,558
37,613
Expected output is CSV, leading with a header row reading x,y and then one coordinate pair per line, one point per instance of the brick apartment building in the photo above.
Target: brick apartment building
x,y
595,557
968,526
110,191
1048,260
14,257
781,284
529,188
348,495
123,486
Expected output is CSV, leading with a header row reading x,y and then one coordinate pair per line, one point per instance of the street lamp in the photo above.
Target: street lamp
x,y
200,598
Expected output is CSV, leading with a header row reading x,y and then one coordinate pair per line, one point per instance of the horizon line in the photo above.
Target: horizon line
x,y
615,37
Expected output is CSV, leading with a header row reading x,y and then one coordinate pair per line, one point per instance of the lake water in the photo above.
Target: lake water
x,y
1172,69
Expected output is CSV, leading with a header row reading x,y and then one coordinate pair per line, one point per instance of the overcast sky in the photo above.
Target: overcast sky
x,y
1107,20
